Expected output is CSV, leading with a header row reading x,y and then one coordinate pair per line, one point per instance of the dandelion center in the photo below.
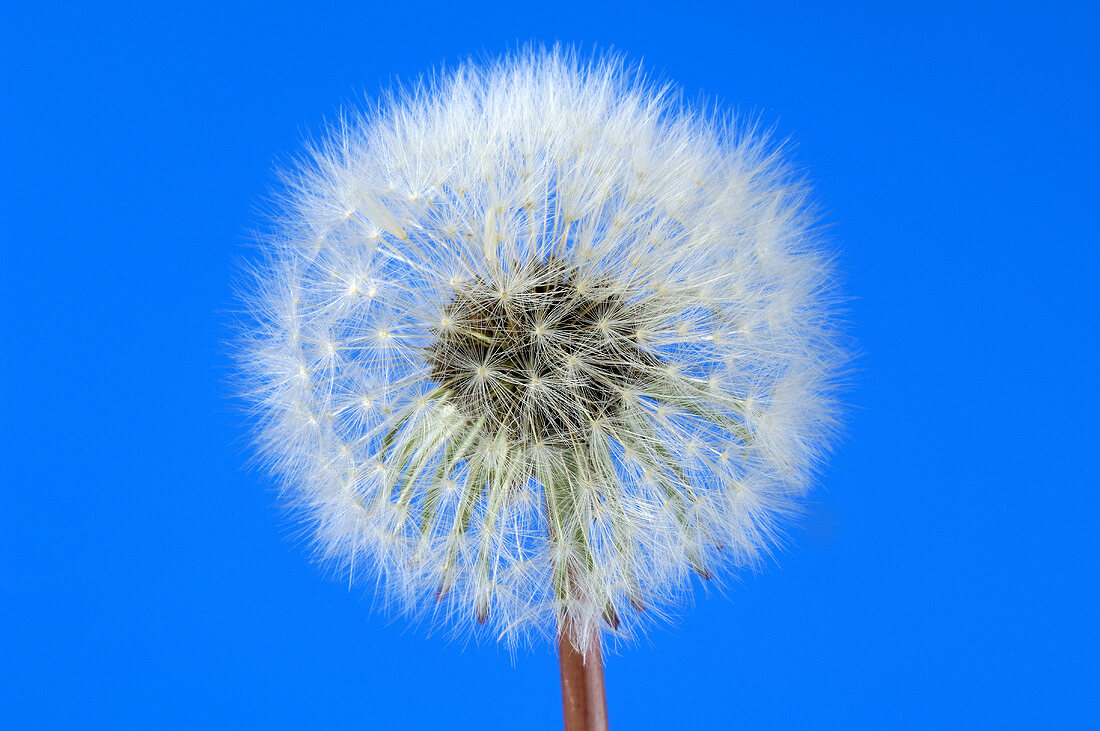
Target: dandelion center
x,y
547,360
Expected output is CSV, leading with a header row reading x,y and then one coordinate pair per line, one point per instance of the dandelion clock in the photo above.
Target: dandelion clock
x,y
532,348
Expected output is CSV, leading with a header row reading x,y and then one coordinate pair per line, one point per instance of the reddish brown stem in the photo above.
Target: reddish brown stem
x,y
583,700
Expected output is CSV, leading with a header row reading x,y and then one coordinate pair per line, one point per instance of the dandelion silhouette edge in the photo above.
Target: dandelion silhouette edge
x,y
532,345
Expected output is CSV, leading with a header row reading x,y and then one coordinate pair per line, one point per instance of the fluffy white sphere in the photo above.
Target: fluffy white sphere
x,y
532,345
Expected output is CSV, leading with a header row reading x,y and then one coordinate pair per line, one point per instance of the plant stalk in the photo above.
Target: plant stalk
x,y
583,699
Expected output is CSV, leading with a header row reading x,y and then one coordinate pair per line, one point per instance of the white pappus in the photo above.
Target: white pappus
x,y
531,345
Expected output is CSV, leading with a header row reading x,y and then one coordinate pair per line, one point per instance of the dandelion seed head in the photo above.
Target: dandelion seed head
x,y
532,345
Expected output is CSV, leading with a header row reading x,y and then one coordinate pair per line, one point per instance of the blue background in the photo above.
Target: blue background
x,y
947,571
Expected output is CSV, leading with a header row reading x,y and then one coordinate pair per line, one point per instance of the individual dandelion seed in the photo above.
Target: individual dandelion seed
x,y
531,345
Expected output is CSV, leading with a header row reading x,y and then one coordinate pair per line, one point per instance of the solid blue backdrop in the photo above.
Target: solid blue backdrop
x,y
946,571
